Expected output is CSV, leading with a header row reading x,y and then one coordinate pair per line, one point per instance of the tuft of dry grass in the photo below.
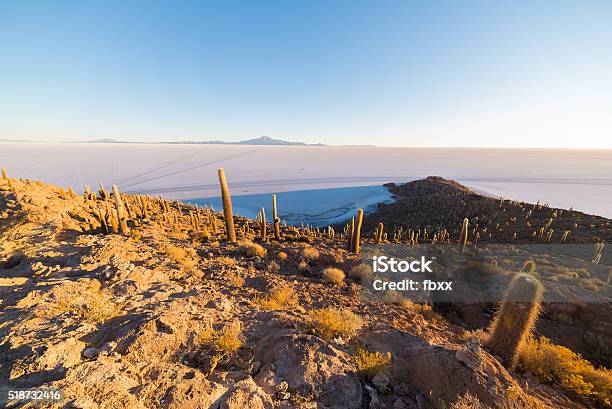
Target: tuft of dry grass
x,y
250,249
178,235
557,364
281,255
330,323
370,364
279,298
358,272
273,267
205,335
184,257
95,307
333,275
310,253
228,342
200,236
468,401
303,266
425,310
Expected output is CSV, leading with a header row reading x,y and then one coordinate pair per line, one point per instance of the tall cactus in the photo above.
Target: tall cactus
x,y
121,216
379,233
350,228
516,318
227,207
356,239
275,219
4,175
262,220
463,238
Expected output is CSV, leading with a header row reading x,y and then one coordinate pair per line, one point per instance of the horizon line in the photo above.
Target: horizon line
x,y
297,144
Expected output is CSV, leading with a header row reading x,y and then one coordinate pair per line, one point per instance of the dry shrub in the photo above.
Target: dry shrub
x,y
370,364
200,236
273,267
224,343
425,310
178,235
303,266
479,333
557,364
358,272
92,307
279,298
250,249
228,342
330,323
468,401
333,275
281,255
205,335
184,257
310,253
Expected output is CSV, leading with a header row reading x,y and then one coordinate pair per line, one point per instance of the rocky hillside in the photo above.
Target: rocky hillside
x,y
435,204
157,309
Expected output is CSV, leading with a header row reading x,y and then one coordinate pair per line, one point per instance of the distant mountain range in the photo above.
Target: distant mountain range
x,y
262,140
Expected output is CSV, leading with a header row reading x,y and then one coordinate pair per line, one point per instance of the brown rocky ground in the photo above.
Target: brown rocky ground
x,y
173,316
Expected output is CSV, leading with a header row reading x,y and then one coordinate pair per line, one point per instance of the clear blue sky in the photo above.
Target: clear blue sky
x,y
396,73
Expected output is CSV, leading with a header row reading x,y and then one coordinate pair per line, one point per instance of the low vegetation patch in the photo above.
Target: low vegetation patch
x,y
358,272
310,253
184,257
330,323
250,249
370,364
200,236
280,297
333,275
228,341
557,364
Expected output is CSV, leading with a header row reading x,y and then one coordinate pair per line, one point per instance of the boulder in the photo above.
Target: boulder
x,y
442,371
246,394
310,366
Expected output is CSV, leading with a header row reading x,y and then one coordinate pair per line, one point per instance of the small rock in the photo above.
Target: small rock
x,y
274,323
399,404
470,354
375,402
108,346
246,394
401,389
282,395
164,326
282,387
91,352
381,382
